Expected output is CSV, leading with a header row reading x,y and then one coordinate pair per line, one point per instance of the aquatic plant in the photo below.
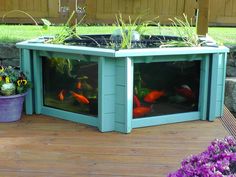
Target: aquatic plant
x,y
185,30
218,160
63,66
66,32
131,31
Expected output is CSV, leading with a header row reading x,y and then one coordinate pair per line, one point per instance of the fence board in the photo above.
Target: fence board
x,y
228,8
151,6
221,11
234,9
137,7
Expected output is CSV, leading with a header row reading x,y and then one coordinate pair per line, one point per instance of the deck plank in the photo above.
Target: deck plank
x,y
44,146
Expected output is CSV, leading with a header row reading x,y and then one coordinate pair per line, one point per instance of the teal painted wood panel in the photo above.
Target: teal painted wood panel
x,y
120,94
38,82
25,65
220,85
106,87
165,119
120,116
219,95
221,75
170,51
218,71
169,58
119,127
218,109
92,51
93,121
124,93
203,90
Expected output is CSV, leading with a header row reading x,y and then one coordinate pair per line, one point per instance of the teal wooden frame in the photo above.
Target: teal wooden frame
x,y
115,82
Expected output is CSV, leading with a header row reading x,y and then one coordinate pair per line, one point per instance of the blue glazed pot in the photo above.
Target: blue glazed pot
x,y
11,107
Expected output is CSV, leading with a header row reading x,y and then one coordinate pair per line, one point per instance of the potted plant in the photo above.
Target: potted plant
x,y
13,88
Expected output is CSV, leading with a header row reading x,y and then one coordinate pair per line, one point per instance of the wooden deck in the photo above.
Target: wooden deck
x,y
44,146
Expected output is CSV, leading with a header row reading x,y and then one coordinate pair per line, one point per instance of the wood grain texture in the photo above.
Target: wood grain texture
x,y
222,12
45,146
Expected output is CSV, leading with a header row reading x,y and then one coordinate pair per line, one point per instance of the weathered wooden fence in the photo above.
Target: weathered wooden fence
x,y
36,8
222,12
105,10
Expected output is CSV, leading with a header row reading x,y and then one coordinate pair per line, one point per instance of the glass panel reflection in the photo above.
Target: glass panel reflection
x,y
71,85
165,88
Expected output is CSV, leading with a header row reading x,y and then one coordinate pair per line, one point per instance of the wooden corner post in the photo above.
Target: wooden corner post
x,y
203,16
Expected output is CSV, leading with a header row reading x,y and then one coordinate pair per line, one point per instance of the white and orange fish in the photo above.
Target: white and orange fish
x,y
80,98
186,92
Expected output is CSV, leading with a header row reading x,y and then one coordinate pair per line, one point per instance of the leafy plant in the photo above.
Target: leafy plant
x,y
185,31
12,81
218,160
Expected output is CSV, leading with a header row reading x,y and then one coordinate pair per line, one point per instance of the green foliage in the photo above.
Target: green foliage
x,y
183,29
67,31
128,30
13,81
62,65
46,23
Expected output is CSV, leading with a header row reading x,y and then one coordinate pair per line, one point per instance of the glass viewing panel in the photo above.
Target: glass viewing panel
x,y
165,88
71,85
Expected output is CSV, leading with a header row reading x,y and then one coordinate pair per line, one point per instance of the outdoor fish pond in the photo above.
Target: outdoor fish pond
x,y
118,90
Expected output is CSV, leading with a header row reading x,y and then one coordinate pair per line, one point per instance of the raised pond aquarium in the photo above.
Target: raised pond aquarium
x,y
121,89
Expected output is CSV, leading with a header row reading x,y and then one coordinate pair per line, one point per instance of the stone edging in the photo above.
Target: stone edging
x,y
9,54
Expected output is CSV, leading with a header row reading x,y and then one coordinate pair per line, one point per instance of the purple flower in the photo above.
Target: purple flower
x,y
218,160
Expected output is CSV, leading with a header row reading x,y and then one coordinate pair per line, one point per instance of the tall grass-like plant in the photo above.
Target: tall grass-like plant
x,y
185,30
128,30
66,32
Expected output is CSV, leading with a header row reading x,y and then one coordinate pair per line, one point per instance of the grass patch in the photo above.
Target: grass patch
x,y
16,33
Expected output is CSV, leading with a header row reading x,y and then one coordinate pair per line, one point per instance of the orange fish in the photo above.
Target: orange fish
x,y
141,111
136,101
78,85
61,96
80,98
153,96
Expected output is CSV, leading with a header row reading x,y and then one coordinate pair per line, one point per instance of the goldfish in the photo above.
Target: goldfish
x,y
186,92
78,85
136,101
141,111
61,95
80,98
153,96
